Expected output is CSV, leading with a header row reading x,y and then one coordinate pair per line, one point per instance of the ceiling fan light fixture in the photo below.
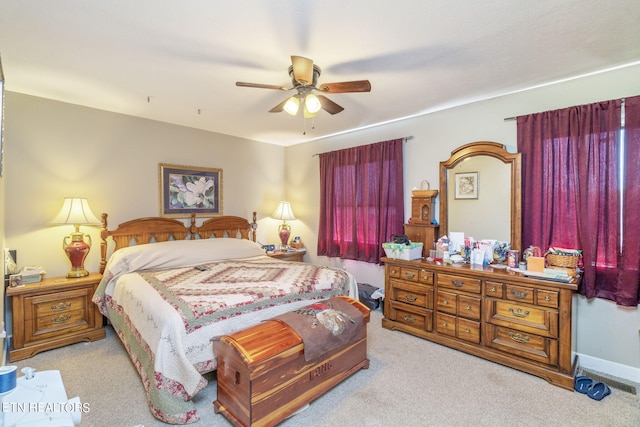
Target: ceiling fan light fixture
x,y
292,105
312,103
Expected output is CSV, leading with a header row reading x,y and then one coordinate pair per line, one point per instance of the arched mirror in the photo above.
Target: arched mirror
x,y
480,193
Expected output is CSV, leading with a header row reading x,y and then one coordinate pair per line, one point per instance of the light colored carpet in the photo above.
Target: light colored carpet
x,y
411,382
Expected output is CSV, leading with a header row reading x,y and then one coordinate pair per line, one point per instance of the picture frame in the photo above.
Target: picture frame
x,y
185,190
466,185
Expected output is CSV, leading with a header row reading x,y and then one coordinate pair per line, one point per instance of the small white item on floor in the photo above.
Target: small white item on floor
x,y
39,398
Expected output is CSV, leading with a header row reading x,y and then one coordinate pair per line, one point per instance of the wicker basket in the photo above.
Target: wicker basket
x,y
567,261
424,192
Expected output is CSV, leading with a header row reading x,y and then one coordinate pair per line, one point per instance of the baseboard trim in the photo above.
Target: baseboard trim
x,y
607,367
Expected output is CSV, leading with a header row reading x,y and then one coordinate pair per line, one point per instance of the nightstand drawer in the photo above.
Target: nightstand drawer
x,y
55,324
50,305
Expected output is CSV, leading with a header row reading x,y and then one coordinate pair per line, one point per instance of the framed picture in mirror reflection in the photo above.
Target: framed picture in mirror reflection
x,y
466,185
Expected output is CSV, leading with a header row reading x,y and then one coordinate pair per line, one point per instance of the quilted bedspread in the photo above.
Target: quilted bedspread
x,y
166,311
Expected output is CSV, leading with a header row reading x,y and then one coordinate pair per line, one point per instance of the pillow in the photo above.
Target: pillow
x,y
179,253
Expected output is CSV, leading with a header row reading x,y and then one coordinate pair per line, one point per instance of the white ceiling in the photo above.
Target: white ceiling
x,y
177,61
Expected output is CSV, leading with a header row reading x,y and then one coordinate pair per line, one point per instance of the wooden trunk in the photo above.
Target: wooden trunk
x,y
263,376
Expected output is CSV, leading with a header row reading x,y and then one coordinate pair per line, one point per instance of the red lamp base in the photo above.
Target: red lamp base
x,y
285,232
77,251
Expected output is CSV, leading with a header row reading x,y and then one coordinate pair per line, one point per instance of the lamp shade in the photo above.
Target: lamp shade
x,y
283,212
312,103
292,105
75,211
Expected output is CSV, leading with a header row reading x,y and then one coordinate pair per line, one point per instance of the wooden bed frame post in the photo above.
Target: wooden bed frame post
x,y
104,233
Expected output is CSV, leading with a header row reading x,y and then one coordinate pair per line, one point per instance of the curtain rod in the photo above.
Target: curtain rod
x,y
405,139
508,119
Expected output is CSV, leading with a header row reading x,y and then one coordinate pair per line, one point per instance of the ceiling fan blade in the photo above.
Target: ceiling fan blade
x,y
280,107
343,87
261,86
302,70
329,106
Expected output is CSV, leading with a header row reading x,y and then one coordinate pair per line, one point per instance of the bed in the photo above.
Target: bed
x,y
168,288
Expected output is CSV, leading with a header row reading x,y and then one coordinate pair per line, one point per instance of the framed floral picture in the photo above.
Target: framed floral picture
x,y
186,189
466,185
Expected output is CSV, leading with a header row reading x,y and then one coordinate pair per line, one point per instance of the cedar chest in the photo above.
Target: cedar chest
x,y
263,376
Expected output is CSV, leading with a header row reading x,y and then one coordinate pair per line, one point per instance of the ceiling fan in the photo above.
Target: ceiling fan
x,y
304,78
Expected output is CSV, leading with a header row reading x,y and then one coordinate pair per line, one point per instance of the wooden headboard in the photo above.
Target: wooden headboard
x,y
158,229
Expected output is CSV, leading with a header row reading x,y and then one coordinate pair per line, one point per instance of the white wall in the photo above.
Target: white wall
x,y
605,334
53,150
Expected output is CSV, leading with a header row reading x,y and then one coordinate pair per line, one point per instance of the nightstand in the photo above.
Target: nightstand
x,y
56,312
296,255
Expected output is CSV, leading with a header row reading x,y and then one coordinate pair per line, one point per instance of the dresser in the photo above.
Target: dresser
x,y
497,314
53,313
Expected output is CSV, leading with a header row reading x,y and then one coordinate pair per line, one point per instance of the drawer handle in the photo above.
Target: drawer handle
x,y
493,289
468,307
519,337
61,307
409,275
519,294
546,298
467,330
410,298
519,313
445,301
409,319
457,283
444,324
61,319
394,271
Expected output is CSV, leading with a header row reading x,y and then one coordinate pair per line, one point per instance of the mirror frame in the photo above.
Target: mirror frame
x,y
498,151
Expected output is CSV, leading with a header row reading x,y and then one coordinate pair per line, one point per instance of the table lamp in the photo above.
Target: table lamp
x,y
283,212
76,211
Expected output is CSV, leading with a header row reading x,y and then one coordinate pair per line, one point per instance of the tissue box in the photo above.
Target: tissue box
x,y
400,251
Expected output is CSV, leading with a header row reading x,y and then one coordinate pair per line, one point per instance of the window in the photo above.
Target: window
x,y
581,189
361,200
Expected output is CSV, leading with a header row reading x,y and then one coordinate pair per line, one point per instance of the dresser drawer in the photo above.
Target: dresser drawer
x,y
446,324
408,293
419,319
519,293
460,283
494,289
411,274
426,277
526,318
393,271
547,298
468,330
523,344
469,307
447,302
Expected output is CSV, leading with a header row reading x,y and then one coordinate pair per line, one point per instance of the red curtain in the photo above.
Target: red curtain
x,y
361,200
571,192
628,283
